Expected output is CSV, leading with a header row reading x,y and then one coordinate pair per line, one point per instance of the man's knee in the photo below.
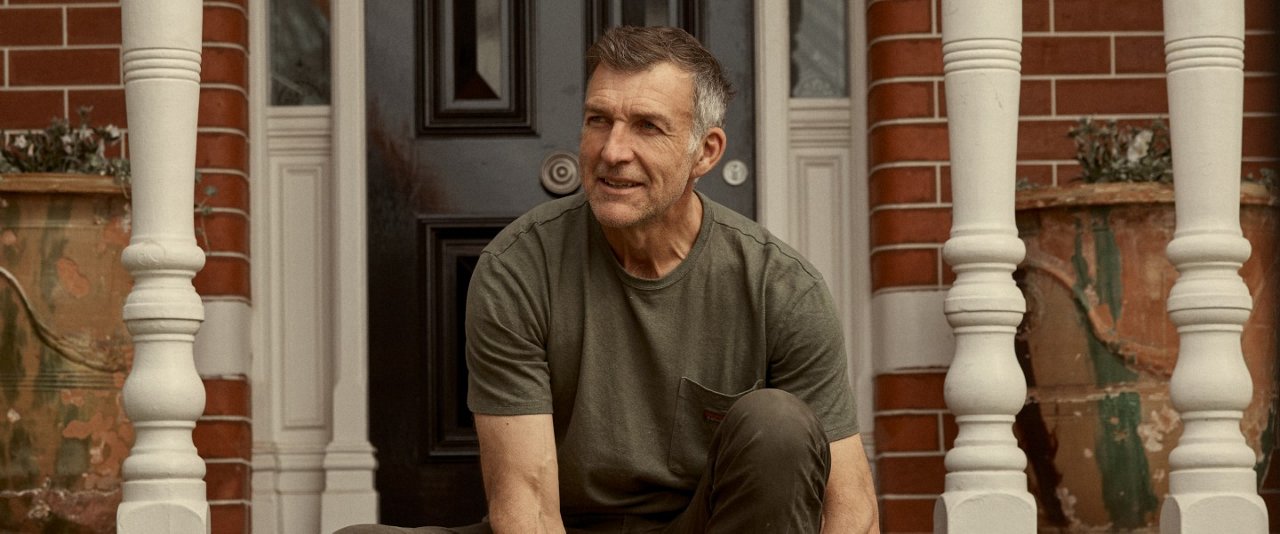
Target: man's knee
x,y
774,422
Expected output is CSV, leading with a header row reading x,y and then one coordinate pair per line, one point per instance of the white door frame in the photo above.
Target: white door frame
x,y
347,493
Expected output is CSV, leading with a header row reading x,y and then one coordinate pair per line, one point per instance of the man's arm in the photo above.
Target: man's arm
x,y
850,502
521,480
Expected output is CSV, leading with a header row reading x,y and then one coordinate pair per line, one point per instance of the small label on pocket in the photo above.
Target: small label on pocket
x,y
713,416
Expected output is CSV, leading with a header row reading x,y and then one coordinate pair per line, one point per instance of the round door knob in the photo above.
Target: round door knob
x,y
560,173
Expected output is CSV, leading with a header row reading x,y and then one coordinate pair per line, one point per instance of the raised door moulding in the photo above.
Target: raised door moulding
x,y
475,62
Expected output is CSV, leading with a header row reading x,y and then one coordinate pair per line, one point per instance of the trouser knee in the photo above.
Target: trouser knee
x,y
774,428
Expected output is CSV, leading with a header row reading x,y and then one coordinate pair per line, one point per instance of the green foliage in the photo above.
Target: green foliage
x,y
63,148
1108,152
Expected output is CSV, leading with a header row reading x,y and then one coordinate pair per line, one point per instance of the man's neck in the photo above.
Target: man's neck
x,y
656,248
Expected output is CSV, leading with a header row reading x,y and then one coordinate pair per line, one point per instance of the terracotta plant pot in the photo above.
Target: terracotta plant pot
x,y
1098,349
64,352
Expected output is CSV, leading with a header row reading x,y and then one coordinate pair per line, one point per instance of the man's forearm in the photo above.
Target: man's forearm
x,y
850,501
521,477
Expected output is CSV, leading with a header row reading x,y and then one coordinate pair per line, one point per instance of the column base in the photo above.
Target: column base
x,y
985,512
154,516
1213,512
349,497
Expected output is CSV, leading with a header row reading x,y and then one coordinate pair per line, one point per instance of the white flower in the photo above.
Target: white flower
x,y
112,131
20,143
1138,147
83,133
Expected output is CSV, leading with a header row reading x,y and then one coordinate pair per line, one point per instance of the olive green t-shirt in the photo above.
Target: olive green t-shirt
x,y
635,372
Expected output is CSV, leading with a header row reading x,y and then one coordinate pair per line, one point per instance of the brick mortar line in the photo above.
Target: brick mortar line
x,y
225,298
229,461
228,254
231,502
908,289
916,371
905,246
224,87
64,47
46,6
903,79
231,211
907,164
909,454
917,36
222,130
224,170
50,88
231,5
904,206
906,121
1096,76
908,411
236,376
225,46
66,34
910,496
225,418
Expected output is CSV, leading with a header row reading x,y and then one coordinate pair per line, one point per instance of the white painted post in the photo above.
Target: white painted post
x,y
164,488
1212,484
986,489
349,464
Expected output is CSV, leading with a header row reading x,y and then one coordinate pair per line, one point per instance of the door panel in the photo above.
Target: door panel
x,y
466,101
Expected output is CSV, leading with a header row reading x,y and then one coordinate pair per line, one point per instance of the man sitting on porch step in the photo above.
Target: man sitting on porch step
x,y
643,359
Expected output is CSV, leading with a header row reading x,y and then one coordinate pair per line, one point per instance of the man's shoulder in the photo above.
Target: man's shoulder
x,y
547,221
757,243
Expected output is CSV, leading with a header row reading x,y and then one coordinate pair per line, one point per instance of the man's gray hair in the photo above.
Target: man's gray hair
x,y
639,48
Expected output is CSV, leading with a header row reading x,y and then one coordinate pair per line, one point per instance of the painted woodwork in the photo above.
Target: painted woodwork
x,y
985,388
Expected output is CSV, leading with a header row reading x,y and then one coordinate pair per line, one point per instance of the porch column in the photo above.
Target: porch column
x,y
986,489
1212,484
349,464
164,488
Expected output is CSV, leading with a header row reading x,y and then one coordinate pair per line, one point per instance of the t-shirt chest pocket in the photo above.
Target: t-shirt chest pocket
x,y
699,411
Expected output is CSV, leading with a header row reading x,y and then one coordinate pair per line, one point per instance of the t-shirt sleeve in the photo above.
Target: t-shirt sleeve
x,y
807,359
505,333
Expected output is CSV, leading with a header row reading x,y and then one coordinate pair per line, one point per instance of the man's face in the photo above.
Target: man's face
x,y
635,153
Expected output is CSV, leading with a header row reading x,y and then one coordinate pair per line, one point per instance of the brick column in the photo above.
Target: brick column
x,y
223,434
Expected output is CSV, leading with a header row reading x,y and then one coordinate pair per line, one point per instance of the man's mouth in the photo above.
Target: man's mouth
x,y
616,184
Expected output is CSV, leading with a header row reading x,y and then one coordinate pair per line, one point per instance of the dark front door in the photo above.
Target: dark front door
x,y
474,109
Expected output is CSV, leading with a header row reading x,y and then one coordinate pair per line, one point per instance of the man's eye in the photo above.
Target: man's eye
x,y
595,120
649,127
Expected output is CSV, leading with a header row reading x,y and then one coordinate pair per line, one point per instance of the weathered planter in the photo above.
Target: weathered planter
x,y
64,352
1098,348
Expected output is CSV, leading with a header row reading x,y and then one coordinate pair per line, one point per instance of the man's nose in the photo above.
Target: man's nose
x,y
617,146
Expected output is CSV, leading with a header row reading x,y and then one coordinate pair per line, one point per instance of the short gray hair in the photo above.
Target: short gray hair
x,y
638,48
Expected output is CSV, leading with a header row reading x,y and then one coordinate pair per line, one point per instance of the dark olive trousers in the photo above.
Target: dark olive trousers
x,y
767,470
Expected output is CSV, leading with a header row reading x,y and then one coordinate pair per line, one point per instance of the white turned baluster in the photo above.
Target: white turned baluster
x,y
986,489
164,489
1212,484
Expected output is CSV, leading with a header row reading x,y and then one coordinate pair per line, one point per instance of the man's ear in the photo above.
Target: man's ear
x,y
710,152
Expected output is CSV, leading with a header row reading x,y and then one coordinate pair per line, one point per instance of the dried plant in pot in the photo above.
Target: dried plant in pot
x,y
64,349
1096,344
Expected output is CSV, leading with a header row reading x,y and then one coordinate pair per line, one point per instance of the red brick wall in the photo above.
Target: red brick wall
x,y
61,55
1080,57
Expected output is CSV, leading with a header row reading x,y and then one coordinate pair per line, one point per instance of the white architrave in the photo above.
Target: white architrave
x,y
986,489
1212,485
164,489
349,463
812,180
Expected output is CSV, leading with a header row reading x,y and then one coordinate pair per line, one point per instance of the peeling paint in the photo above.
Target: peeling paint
x,y
64,434
1156,426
